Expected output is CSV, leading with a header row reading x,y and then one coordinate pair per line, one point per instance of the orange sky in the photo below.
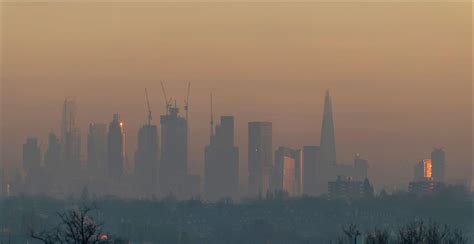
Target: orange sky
x,y
399,73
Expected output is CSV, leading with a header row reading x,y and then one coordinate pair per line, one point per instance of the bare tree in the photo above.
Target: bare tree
x,y
377,237
351,232
76,226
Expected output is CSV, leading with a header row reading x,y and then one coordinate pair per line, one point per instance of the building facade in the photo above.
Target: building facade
x,y
221,159
174,153
146,161
260,157
116,149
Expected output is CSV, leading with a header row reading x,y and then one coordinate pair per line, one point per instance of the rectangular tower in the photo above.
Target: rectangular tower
x,y
438,162
222,162
260,157
97,149
174,153
146,161
311,161
287,171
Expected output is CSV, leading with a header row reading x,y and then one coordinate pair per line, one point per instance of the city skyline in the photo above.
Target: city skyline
x,y
410,91
266,173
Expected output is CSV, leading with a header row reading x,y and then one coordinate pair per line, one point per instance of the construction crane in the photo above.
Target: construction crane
x,y
186,102
167,102
212,120
148,105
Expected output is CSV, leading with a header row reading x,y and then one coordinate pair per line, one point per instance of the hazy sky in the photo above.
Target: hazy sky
x,y
399,74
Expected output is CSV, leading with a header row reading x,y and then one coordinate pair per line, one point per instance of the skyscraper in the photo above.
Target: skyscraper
x,y
423,170
116,148
222,162
260,157
287,171
328,141
311,160
97,149
52,157
70,139
146,160
174,153
31,156
438,163
360,168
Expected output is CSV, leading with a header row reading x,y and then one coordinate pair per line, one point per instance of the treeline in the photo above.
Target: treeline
x,y
416,232
275,220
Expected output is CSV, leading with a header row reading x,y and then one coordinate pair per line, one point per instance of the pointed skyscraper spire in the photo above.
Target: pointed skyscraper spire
x,y
328,141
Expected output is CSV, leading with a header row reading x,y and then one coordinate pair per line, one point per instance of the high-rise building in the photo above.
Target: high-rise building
x,y
311,161
438,164
288,170
97,149
361,167
222,162
146,161
328,141
70,139
174,153
423,170
31,156
116,148
52,157
260,157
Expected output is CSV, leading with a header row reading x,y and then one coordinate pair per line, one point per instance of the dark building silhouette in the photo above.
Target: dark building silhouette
x,y
328,141
311,160
70,139
35,180
438,164
174,153
52,157
423,180
327,168
260,157
116,148
31,156
97,149
146,161
287,172
361,167
222,162
348,188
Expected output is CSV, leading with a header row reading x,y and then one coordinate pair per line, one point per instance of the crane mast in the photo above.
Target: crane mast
x,y
148,105
167,102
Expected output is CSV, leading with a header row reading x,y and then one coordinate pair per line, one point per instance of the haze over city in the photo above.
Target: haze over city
x,y
236,122
399,76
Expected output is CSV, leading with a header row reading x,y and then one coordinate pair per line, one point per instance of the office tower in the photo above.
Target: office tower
x,y
423,170
311,161
174,153
438,163
287,171
146,160
360,168
222,162
52,157
116,148
260,157
97,149
31,156
70,138
328,141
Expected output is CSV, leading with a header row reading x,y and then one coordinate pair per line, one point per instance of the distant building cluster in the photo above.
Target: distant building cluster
x,y
160,163
429,174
